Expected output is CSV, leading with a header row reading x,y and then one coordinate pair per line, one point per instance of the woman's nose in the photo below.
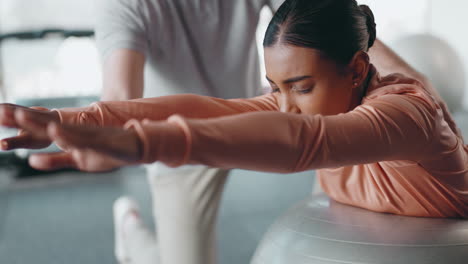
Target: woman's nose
x,y
288,105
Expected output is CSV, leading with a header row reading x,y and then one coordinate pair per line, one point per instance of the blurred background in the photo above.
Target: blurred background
x,y
65,217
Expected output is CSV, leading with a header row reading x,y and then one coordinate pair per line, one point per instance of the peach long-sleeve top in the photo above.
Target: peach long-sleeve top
x,y
398,152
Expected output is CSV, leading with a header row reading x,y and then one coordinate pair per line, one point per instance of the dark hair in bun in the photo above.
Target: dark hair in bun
x,y
371,26
337,28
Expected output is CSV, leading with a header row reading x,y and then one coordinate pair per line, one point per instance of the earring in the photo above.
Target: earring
x,y
355,84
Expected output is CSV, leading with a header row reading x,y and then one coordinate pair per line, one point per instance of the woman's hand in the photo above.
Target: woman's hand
x,y
24,139
91,149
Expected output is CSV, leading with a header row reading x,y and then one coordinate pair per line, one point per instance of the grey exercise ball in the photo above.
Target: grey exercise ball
x,y
439,62
322,231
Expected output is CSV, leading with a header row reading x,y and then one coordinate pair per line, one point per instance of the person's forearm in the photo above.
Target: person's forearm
x,y
117,113
127,86
123,76
120,92
388,62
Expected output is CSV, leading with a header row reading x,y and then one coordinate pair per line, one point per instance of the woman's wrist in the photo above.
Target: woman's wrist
x,y
136,129
159,141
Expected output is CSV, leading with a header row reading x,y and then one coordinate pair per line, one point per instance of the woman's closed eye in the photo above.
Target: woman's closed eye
x,y
298,90
302,90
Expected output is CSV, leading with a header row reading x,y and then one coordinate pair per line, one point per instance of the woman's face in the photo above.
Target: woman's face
x,y
304,81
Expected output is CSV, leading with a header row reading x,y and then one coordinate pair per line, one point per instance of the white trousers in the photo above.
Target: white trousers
x,y
185,207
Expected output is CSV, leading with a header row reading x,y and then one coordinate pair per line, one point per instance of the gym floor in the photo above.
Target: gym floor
x,y
67,217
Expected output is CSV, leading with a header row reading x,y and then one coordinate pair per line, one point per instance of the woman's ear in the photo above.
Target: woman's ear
x,y
359,67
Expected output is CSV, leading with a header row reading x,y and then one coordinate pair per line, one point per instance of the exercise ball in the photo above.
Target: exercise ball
x,y
439,62
319,230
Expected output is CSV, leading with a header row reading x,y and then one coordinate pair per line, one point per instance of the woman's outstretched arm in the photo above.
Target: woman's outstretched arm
x,y
160,108
116,114
392,127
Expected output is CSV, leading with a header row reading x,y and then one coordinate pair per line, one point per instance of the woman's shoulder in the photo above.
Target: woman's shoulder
x,y
397,97
381,87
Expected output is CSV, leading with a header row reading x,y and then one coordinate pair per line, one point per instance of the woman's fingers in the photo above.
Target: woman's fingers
x,y
40,114
34,123
88,149
71,136
113,142
83,160
39,108
7,117
52,161
24,140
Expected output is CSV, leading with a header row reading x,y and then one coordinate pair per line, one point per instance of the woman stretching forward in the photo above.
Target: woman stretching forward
x,y
384,143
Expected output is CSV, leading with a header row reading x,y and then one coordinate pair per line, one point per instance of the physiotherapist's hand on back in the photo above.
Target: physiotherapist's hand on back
x,y
92,149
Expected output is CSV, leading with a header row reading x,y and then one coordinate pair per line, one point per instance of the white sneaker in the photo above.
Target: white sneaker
x,y
122,207
134,243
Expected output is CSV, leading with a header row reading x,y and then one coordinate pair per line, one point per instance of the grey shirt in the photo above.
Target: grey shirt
x,y
205,47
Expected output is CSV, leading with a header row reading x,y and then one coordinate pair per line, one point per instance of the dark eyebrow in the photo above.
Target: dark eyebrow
x,y
292,80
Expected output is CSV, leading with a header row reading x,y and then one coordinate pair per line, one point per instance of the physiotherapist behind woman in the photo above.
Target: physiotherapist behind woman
x,y
152,48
